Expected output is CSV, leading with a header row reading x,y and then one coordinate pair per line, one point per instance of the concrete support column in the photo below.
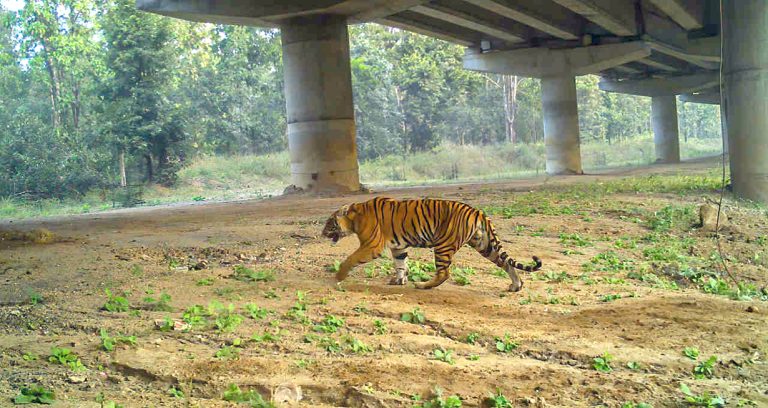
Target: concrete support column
x,y
561,125
745,34
665,130
318,98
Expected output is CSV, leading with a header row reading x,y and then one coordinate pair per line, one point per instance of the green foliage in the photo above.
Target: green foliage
x,y
499,400
705,369
115,303
34,297
608,261
379,327
671,217
35,395
610,297
438,401
461,275
472,338
636,405
162,304
334,267
574,240
420,271
64,356
702,400
691,352
415,316
256,312
227,353
175,392
444,355
249,275
603,363
330,324
634,366
226,319
108,342
205,282
357,346
233,393
196,316
505,344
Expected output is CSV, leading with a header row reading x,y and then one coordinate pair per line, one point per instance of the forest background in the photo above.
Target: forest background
x,y
95,95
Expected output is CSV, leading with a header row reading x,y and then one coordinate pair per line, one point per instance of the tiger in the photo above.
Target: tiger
x,y
443,225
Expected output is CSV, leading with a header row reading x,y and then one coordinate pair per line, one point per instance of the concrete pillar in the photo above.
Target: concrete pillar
x,y
318,98
745,59
561,125
665,130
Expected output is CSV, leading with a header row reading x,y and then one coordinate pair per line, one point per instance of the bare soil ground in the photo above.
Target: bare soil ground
x,y
582,304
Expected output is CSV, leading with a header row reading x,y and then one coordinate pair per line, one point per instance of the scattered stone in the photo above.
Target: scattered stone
x,y
287,394
293,189
708,217
178,325
752,309
76,379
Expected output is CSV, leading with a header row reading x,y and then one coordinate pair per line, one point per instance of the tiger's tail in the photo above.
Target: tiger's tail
x,y
487,243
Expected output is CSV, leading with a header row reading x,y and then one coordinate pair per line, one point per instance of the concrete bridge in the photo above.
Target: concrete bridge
x,y
656,48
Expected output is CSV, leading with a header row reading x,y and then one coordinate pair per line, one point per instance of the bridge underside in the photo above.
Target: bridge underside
x,y
656,48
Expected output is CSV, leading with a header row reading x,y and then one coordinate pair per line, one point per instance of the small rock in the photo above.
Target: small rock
x,y
752,309
287,393
76,379
181,269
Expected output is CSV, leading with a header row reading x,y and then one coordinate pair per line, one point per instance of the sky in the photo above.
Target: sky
x,y
13,5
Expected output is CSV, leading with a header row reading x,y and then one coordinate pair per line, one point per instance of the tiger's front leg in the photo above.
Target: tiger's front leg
x,y
400,257
362,255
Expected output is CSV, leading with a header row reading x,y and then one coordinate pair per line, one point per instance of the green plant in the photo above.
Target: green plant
x,y
109,343
115,303
175,392
705,369
162,304
357,346
334,267
603,363
195,316
498,400
244,274
331,324
472,338
227,353
64,356
233,393
691,352
444,355
505,344
499,273
227,320
438,401
461,275
703,400
670,217
29,356
610,297
266,337
636,405
634,365
420,271
574,240
379,327
330,345
34,297
35,395
271,294
205,282
415,316
256,312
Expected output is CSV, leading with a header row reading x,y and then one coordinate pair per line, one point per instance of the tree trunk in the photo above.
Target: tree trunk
x,y
150,175
123,179
509,83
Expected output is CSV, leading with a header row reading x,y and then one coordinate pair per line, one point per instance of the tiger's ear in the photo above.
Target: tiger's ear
x,y
347,210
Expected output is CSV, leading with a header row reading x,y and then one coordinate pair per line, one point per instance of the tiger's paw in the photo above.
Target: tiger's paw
x,y
513,287
397,280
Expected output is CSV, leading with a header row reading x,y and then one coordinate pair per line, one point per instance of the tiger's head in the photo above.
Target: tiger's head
x,y
339,224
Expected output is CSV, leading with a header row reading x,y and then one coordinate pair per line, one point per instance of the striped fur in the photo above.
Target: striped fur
x,y
443,225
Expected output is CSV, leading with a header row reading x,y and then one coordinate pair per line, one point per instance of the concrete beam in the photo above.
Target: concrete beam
x,y
383,8
662,86
463,19
430,30
689,14
703,61
658,65
710,98
529,15
226,12
618,17
545,62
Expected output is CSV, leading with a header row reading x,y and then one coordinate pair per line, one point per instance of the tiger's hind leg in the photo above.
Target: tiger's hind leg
x,y
443,258
400,257
483,244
